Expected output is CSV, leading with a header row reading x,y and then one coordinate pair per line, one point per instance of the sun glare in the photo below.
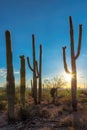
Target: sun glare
x,y
67,77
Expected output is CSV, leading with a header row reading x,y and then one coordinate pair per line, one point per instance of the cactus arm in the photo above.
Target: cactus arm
x,y
34,52
64,60
40,59
79,41
71,24
28,61
71,37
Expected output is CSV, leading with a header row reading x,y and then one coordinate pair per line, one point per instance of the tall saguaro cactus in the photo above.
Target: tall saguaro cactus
x,y
33,69
22,81
74,57
36,73
10,77
40,75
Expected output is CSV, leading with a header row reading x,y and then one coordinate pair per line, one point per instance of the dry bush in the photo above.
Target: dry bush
x,y
81,124
66,121
79,106
3,105
22,114
60,111
45,113
27,112
67,109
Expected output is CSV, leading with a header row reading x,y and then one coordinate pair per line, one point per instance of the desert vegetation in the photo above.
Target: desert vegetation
x,y
46,104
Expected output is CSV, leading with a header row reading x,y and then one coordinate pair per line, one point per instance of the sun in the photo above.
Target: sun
x,y
67,77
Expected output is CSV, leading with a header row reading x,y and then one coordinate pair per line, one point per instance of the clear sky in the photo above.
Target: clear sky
x,y
48,20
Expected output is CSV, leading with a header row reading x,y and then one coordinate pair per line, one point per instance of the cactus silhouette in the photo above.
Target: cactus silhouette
x,y
22,81
10,77
73,61
39,73
33,69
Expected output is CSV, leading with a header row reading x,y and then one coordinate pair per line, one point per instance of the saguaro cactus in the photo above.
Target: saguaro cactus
x,y
33,69
73,62
10,77
40,76
22,81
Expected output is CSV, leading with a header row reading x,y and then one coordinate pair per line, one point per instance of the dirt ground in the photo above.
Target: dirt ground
x,y
48,116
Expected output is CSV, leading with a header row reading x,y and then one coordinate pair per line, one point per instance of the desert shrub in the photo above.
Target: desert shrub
x,y
3,96
45,113
17,98
46,95
33,110
53,92
84,100
55,82
3,105
67,121
64,93
23,114
81,124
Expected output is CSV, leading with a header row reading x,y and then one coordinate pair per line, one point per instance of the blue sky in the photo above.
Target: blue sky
x,y
48,20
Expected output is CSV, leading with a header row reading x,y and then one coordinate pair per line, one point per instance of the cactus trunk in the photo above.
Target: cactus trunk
x,y
73,66
34,72
10,77
74,85
31,88
22,82
40,75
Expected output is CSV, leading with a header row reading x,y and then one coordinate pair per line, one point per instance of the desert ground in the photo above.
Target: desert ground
x,y
47,115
